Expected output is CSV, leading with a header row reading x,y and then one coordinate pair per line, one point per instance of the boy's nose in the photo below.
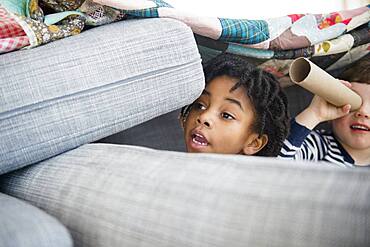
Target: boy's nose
x,y
361,113
204,120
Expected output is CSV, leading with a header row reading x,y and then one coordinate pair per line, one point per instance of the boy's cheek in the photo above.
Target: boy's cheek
x,y
187,124
340,124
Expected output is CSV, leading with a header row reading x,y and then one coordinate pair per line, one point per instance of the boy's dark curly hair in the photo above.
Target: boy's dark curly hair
x,y
269,101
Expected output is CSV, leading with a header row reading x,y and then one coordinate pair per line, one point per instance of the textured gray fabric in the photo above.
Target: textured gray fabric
x,y
163,132
113,195
23,225
56,97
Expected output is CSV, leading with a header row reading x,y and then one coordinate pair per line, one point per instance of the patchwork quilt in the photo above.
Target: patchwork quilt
x,y
331,40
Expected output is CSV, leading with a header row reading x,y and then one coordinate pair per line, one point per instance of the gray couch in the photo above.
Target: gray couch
x,y
62,184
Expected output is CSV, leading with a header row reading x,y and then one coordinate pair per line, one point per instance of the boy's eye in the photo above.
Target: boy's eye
x,y
199,106
227,116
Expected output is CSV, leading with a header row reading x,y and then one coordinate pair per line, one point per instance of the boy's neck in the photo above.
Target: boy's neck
x,y
361,157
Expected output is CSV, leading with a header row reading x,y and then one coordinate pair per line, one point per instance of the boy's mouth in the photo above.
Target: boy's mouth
x,y
199,139
359,127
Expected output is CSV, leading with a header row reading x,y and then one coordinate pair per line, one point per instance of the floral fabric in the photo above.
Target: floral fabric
x,y
29,16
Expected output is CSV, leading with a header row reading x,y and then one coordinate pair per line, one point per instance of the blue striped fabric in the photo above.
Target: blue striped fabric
x,y
244,31
147,13
250,52
304,144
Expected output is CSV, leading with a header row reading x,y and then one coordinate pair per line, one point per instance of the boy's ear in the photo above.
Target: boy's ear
x,y
254,144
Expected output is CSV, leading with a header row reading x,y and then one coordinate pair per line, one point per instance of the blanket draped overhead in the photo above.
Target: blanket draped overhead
x,y
332,40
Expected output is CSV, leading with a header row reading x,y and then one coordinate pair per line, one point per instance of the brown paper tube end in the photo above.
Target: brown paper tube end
x,y
299,70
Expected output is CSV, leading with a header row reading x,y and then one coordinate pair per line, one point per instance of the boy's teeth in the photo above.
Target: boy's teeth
x,y
200,143
359,127
198,139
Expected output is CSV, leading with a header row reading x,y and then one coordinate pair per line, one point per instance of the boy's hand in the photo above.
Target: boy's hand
x,y
323,111
320,111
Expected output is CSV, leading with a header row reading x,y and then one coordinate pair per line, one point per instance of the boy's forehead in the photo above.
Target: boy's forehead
x,y
225,87
362,89
223,90
223,81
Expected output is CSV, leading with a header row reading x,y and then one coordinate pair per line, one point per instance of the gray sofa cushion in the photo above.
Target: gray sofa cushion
x,y
56,97
23,225
113,195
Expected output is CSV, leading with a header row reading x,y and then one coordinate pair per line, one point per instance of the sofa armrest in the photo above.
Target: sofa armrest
x,y
23,225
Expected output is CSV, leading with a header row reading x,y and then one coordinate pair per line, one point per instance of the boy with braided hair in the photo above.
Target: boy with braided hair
x,y
242,110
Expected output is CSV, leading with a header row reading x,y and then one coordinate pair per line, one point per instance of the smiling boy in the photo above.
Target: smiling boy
x,y
348,145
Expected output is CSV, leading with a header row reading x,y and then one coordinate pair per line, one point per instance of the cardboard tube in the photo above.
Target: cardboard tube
x,y
314,79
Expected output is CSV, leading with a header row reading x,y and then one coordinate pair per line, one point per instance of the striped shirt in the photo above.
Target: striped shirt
x,y
317,145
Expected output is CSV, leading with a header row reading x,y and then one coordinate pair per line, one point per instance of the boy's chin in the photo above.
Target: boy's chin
x,y
203,150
